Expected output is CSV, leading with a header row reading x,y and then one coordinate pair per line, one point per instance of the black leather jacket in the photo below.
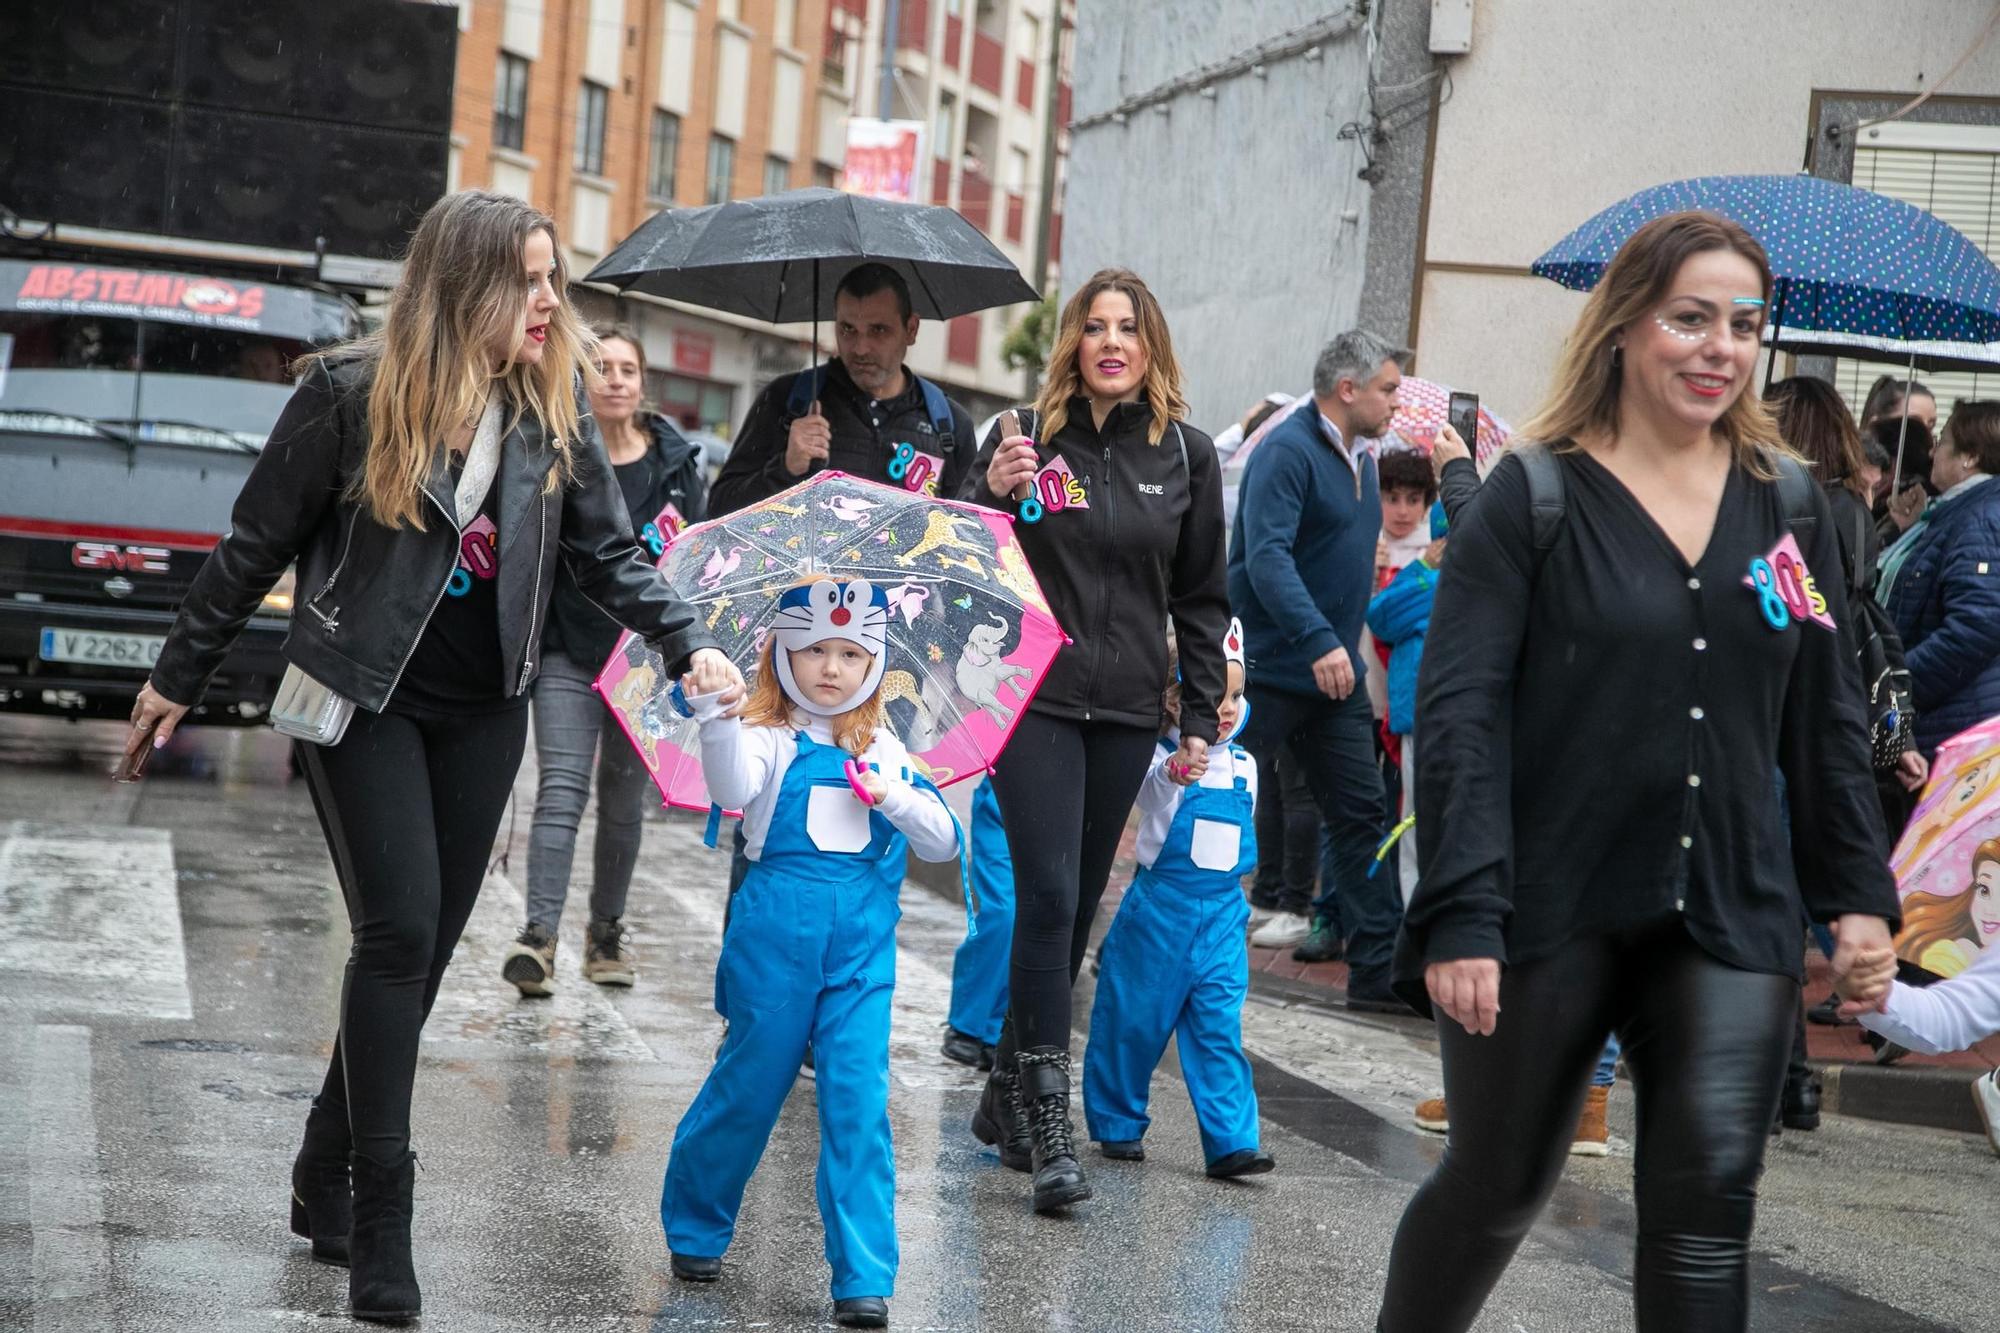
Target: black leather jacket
x,y
366,592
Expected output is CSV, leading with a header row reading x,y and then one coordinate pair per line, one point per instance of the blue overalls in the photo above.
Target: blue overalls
x,y
1175,963
809,956
979,968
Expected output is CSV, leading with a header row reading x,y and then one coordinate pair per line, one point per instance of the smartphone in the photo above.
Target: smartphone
x,y
1010,426
132,763
1463,414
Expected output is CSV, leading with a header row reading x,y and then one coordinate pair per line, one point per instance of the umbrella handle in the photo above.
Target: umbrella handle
x,y
854,769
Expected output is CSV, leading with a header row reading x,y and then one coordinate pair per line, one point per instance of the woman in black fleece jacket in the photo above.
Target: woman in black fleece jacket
x,y
1131,538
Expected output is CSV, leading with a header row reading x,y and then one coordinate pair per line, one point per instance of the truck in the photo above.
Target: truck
x,y
136,390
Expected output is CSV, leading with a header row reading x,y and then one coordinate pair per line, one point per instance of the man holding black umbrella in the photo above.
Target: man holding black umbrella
x,y
864,413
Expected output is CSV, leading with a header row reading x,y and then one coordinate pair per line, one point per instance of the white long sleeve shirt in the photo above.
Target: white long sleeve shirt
x,y
1949,1016
745,769
1160,796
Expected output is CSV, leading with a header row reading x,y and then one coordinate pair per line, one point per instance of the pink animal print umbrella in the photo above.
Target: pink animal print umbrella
x,y
970,634
1421,407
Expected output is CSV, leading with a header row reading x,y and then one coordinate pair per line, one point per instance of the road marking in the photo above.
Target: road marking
x,y
93,921
65,1193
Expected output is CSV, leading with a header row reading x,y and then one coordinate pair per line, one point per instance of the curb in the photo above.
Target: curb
x,y
1931,1097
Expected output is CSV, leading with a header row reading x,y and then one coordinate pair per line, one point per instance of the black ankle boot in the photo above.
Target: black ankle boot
x,y
1059,1180
1800,1107
322,1206
1001,1121
382,1279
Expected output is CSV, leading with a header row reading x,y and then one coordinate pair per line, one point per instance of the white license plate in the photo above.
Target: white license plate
x,y
82,645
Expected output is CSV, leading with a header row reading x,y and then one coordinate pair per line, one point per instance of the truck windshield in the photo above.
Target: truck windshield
x,y
141,379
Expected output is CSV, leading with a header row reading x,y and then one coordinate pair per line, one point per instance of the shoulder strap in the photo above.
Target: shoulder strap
x,y
1547,502
938,408
1181,440
805,387
1795,492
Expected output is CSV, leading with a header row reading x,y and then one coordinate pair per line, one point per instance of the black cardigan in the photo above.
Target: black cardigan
x,y
1600,728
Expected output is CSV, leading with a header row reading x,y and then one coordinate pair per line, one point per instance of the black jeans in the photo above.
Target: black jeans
x,y
1333,744
1706,1046
409,804
1065,789
1288,838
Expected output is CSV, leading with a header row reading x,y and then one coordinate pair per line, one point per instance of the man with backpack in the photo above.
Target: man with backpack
x,y
863,413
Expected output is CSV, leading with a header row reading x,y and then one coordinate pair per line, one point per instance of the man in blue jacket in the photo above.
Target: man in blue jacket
x,y
1301,569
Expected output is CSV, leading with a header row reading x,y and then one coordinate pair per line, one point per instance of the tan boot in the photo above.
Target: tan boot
x,y
1430,1115
607,957
1593,1130
531,961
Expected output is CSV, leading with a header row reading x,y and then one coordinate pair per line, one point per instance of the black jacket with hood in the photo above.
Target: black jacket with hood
x,y
366,592
1146,547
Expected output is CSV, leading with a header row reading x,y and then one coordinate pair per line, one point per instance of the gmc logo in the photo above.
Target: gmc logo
x,y
111,557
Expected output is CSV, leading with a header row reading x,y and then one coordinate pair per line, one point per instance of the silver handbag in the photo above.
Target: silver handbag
x,y
306,710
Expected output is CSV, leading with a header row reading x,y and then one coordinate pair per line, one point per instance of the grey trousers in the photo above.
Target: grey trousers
x,y
571,724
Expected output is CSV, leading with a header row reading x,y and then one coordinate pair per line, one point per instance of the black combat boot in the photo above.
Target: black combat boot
x,y
1059,1180
1001,1120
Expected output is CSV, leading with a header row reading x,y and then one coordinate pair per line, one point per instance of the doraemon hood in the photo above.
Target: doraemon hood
x,y
810,613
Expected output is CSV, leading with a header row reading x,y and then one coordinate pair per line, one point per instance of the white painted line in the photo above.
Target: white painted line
x,y
93,921
475,1004
65,1194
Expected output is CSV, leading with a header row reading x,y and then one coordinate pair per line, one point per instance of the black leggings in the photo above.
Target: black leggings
x,y
1706,1045
409,804
1065,789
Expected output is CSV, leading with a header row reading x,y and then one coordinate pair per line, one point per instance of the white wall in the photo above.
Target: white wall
x,y
1566,106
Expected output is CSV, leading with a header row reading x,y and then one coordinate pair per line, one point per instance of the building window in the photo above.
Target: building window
x,y
785,23
590,107
721,167
944,126
510,102
825,176
777,175
666,150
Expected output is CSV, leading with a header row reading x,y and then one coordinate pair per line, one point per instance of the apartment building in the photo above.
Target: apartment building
x,y
603,112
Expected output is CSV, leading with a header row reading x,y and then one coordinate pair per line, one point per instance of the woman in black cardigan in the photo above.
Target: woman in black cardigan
x,y
1638,624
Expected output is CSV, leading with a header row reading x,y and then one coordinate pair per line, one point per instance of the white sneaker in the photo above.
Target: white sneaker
x,y
1986,1096
1259,916
1283,931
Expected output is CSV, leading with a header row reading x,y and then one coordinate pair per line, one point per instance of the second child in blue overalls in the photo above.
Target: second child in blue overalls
x,y
1175,962
809,956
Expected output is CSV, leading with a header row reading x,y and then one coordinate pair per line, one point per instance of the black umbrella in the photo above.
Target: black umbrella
x,y
780,257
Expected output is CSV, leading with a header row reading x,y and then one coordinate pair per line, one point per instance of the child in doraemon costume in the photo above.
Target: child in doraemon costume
x,y
829,804
1175,961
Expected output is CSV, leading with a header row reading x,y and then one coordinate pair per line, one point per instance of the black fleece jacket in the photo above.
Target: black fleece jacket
x,y
1145,547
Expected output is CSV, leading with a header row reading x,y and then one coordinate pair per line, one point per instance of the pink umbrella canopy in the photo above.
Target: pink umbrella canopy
x,y
1421,407
1947,862
970,634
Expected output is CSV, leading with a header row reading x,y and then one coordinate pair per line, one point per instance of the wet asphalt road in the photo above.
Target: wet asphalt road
x,y
169,968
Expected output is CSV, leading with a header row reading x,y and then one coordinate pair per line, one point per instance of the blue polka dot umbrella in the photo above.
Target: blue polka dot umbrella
x,y
1846,260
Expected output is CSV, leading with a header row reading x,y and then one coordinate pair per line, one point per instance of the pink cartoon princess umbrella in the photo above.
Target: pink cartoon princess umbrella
x,y
970,634
1947,862
1421,407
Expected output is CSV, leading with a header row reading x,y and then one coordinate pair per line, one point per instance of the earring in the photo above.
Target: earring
x,y
1617,355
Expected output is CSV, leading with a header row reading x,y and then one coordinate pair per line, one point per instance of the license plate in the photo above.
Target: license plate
x,y
82,645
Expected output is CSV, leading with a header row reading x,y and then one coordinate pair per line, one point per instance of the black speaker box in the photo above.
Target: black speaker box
x,y
259,122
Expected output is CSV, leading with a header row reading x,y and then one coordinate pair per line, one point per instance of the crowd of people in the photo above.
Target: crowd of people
x,y
1628,772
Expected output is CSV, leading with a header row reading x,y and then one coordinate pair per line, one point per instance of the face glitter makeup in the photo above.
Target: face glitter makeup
x,y
1685,335
1757,301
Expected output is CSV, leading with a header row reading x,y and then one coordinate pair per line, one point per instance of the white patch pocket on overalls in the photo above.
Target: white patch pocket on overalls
x,y
836,821
1216,846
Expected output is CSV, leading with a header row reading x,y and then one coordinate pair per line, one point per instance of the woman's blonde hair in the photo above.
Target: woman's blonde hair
x,y
1589,376
1163,372
462,293
768,706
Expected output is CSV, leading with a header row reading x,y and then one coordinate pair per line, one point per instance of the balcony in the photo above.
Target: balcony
x,y
1024,84
975,198
987,60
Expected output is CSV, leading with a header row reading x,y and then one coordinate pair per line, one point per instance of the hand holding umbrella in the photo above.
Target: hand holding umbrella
x,y
1014,463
